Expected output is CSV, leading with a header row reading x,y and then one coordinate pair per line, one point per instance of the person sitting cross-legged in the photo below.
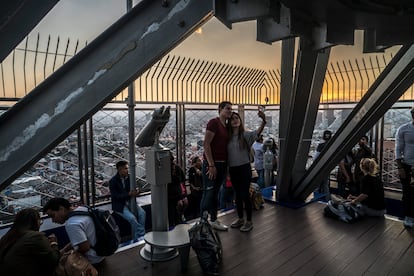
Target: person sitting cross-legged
x,y
370,201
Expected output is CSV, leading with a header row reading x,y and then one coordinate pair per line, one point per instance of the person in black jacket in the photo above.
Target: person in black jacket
x,y
324,186
177,195
121,195
363,151
195,179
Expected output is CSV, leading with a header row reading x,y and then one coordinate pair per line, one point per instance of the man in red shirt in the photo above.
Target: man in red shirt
x,y
215,162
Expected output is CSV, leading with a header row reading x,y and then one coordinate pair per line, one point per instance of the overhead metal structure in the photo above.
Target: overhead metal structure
x,y
152,28
17,19
320,25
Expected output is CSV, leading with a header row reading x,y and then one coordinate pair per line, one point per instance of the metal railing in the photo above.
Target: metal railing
x,y
175,79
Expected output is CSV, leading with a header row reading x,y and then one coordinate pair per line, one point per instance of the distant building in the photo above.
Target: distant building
x,y
26,182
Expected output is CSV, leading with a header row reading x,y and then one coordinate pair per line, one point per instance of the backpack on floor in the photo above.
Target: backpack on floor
x,y
343,211
207,244
256,196
107,231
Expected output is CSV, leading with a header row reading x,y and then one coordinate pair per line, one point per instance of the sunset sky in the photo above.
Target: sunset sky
x,y
84,20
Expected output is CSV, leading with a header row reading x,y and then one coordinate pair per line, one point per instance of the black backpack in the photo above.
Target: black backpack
x,y
207,244
106,229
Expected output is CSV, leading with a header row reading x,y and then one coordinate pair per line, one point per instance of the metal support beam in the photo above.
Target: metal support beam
x,y
131,138
271,29
232,11
370,42
17,19
299,100
286,84
310,116
390,85
180,135
93,77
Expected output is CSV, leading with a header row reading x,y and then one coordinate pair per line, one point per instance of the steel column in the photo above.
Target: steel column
x,y
286,84
299,100
310,116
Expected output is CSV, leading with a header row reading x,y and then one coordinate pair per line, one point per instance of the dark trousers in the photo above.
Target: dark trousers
x,y
408,192
241,177
194,201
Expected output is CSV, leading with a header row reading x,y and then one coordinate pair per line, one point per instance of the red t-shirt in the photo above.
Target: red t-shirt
x,y
220,140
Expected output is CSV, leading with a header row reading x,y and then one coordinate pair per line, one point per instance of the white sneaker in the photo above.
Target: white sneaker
x,y
409,222
219,226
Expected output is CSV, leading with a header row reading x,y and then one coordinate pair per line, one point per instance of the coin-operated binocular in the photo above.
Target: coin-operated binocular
x,y
268,162
158,175
150,134
158,166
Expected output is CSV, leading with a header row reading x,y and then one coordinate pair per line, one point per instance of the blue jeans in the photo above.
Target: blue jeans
x,y
137,225
226,196
211,188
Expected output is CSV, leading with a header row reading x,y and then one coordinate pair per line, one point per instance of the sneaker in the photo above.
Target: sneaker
x,y
408,222
247,226
237,223
219,226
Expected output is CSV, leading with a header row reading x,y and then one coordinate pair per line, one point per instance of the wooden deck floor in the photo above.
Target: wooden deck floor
x,y
286,241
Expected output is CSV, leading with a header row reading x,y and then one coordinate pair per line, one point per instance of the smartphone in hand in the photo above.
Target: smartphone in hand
x,y
261,108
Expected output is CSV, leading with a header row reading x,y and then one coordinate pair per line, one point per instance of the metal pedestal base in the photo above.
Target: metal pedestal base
x,y
155,254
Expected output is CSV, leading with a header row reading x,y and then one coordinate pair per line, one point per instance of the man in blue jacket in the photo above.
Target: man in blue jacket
x,y
121,195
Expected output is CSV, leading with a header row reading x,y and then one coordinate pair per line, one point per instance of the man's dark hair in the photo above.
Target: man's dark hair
x,y
365,136
55,203
121,164
26,219
195,159
223,105
327,134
